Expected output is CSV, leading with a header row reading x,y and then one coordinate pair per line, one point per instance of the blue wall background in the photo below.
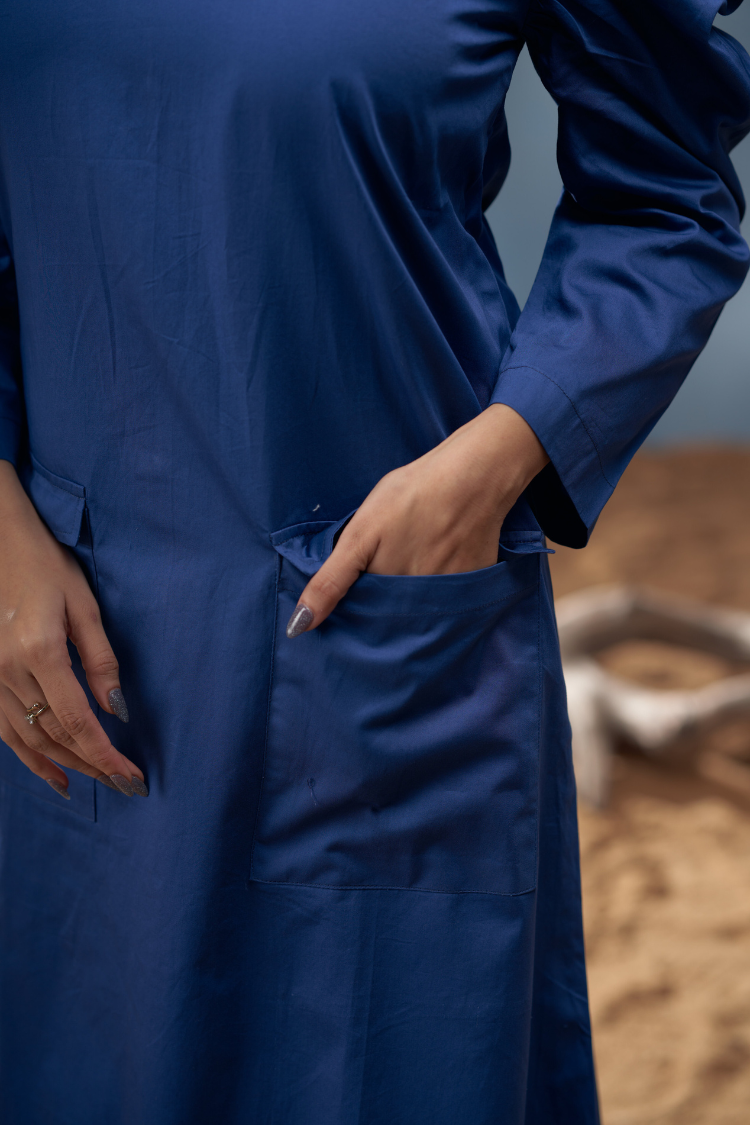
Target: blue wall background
x,y
714,402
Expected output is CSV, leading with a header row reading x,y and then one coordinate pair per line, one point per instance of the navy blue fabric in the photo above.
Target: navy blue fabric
x,y
371,776
245,272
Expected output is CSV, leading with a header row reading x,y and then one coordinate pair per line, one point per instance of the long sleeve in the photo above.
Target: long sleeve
x,y
644,248
12,420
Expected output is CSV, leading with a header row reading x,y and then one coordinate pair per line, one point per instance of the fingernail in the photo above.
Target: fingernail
x,y
110,784
118,704
122,784
58,787
301,619
139,787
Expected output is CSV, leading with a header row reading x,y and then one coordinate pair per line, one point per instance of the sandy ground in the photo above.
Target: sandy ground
x,y
666,867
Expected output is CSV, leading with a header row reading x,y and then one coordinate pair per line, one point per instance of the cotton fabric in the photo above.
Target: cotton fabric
x,y
246,273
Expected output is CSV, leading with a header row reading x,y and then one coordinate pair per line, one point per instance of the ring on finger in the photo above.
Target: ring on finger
x,y
33,712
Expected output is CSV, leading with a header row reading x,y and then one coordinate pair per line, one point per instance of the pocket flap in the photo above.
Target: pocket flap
x,y
59,502
521,534
308,545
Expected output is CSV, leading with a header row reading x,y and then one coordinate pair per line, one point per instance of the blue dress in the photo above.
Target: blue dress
x,y
246,273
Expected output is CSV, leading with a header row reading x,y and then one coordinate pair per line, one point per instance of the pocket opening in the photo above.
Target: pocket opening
x,y
307,546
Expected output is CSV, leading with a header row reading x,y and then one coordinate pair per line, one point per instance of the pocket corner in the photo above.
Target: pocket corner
x,y
59,502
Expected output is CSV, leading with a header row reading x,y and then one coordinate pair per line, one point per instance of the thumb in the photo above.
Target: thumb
x,y
86,631
326,589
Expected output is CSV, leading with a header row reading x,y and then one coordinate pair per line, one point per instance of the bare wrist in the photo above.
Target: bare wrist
x,y
517,453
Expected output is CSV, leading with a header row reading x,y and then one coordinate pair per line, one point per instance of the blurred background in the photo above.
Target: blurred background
x,y
666,859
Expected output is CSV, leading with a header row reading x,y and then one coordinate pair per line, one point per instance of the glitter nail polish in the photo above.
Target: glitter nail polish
x,y
122,784
139,787
300,621
118,704
58,787
106,781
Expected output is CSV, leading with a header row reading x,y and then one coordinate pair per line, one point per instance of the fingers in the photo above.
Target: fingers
x,y
35,738
35,760
32,737
99,662
325,590
70,722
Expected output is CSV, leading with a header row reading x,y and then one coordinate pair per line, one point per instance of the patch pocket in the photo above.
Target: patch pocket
x,y
402,743
62,505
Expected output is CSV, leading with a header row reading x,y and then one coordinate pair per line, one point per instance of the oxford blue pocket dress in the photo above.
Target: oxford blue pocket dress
x,y
244,273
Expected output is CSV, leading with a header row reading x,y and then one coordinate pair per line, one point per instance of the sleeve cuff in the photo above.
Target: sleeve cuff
x,y
569,494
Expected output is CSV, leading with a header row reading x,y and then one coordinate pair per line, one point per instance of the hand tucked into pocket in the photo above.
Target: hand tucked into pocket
x,y
440,514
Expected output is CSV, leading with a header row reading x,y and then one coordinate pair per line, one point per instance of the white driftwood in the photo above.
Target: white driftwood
x,y
603,706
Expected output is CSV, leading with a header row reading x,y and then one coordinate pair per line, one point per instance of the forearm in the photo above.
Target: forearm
x,y
514,455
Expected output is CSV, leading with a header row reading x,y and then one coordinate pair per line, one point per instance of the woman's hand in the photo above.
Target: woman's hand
x,y
437,515
44,600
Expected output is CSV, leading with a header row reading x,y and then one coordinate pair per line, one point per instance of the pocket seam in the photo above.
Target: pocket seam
x,y
437,612
271,675
385,887
278,538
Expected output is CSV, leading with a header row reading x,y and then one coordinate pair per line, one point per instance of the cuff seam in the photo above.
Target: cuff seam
x,y
530,367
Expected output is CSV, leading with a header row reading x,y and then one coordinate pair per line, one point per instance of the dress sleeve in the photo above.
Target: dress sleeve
x,y
644,248
12,417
